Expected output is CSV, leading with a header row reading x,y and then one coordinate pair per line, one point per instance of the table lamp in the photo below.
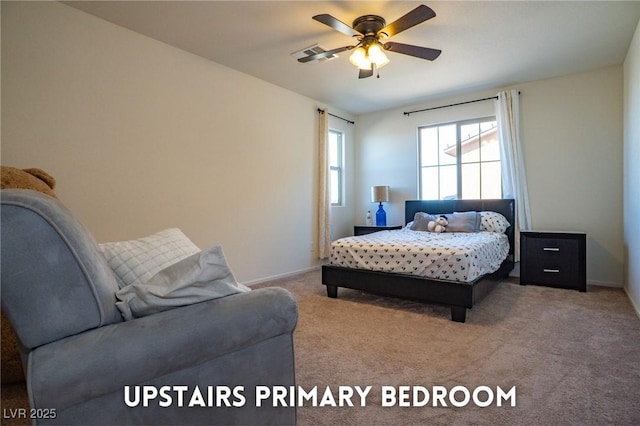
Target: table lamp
x,y
380,194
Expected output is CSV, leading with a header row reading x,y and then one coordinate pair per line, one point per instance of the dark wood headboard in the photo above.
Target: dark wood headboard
x,y
505,207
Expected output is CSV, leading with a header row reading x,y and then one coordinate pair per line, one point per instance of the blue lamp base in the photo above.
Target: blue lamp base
x,y
381,216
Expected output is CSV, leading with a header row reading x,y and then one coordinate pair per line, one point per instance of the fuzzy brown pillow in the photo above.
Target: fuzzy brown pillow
x,y
37,180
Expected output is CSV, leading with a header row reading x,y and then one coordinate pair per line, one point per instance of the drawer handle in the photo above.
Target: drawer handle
x,y
551,249
554,271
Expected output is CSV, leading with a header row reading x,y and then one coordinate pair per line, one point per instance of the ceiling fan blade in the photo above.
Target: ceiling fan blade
x,y
365,73
336,24
324,54
416,16
417,51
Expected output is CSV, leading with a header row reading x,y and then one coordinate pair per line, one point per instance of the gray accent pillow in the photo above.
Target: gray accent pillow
x,y
197,278
463,222
421,220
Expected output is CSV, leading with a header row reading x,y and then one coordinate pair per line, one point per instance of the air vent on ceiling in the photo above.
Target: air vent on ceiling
x,y
313,50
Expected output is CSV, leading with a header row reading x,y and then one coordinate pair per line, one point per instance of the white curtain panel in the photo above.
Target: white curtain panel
x,y
514,179
324,202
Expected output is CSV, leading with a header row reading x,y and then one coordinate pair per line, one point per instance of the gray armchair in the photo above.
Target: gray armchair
x,y
79,355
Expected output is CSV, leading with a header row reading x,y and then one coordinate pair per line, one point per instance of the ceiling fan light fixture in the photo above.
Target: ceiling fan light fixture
x,y
364,58
360,59
368,54
377,56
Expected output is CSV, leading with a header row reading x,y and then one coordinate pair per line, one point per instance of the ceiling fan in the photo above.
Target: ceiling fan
x,y
371,31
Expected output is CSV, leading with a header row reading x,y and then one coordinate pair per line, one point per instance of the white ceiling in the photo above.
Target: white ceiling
x,y
484,45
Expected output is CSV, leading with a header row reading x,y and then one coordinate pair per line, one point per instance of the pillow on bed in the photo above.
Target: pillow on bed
x,y
493,222
463,222
421,220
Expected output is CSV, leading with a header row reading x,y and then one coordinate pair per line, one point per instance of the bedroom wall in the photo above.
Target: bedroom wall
x,y
632,171
142,136
572,137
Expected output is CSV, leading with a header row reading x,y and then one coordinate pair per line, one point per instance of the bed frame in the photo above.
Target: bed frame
x,y
459,296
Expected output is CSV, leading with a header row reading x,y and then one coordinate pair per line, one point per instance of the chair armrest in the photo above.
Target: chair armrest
x,y
105,359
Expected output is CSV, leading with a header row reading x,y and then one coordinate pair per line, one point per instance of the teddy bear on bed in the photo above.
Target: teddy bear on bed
x,y
439,225
37,180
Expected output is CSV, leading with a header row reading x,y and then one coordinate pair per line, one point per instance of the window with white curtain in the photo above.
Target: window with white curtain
x,y
336,167
460,160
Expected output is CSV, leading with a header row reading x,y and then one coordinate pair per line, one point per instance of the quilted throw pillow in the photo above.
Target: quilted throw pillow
x,y
493,222
136,261
197,278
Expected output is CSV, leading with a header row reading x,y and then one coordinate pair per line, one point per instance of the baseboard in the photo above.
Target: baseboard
x,y
635,305
605,284
281,276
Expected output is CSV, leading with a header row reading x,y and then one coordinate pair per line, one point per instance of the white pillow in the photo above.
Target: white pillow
x,y
493,222
136,261
197,278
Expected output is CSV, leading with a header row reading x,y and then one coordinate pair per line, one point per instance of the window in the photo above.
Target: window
x,y
460,160
335,167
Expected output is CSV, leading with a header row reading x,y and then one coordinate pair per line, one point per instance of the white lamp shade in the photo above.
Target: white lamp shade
x,y
363,57
377,56
360,59
379,194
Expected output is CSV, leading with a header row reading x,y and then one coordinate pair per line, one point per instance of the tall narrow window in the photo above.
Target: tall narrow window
x,y
336,167
460,160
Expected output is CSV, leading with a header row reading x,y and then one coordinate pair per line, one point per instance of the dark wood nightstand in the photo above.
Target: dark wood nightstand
x,y
556,259
369,229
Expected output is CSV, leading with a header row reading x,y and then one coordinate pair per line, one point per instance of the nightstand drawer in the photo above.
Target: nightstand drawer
x,y
556,259
552,249
552,273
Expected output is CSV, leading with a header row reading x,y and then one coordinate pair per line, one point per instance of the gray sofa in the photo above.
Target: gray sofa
x,y
79,355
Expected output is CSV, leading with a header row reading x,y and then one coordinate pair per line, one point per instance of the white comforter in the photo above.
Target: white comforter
x,y
452,256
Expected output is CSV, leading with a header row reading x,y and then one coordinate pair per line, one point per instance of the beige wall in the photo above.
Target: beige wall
x,y
571,129
632,171
142,136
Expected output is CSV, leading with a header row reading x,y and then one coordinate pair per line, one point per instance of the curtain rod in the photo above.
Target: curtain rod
x,y
344,119
450,105
447,106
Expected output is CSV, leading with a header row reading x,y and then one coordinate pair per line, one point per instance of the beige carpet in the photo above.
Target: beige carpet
x,y
573,357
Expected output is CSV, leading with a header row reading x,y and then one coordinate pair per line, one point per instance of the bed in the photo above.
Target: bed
x,y
458,295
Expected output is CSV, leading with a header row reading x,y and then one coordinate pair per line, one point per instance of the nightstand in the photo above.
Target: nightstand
x,y
556,259
364,230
